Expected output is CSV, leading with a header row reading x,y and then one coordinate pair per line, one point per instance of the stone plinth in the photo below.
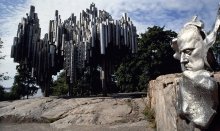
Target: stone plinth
x,y
162,98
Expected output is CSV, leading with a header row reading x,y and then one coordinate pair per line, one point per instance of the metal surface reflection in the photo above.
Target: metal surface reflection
x,y
79,46
197,95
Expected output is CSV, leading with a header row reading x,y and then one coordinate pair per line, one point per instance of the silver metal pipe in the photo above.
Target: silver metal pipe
x,y
102,38
106,34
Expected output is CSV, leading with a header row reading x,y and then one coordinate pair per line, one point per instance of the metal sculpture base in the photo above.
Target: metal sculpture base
x,y
197,100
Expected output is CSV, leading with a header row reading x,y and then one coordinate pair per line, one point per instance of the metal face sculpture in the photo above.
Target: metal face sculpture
x,y
191,47
197,96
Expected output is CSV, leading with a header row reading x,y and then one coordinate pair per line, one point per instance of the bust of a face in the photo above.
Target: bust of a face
x,y
197,93
191,49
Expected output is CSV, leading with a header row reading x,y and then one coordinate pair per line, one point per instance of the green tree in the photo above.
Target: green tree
x,y
2,75
154,58
2,93
59,86
81,87
24,84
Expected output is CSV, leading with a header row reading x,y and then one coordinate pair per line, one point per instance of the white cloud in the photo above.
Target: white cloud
x,y
169,13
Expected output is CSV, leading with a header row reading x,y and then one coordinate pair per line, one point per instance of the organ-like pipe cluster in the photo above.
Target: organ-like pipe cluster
x,y
77,46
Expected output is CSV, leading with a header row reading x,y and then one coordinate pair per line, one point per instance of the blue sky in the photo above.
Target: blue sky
x,y
172,14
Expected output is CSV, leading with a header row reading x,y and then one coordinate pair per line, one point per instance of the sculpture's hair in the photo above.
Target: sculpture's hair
x,y
195,32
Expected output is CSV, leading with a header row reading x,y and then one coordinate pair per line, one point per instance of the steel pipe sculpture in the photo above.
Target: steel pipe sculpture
x,y
78,47
198,91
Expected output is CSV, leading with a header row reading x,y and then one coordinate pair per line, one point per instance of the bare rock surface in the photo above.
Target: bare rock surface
x,y
59,113
161,98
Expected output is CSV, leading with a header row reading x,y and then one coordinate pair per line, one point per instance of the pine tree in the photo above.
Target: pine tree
x,y
24,84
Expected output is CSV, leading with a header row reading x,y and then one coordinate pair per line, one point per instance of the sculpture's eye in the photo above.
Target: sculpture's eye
x,y
188,51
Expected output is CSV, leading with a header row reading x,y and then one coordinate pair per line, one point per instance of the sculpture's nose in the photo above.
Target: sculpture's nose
x,y
183,58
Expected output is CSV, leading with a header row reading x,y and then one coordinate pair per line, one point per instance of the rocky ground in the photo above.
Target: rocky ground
x,y
52,113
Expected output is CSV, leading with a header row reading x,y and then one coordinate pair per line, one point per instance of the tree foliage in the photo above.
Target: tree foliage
x,y
59,86
2,93
5,95
3,75
24,84
154,58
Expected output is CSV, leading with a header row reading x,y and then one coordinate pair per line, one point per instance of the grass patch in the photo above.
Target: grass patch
x,y
150,116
